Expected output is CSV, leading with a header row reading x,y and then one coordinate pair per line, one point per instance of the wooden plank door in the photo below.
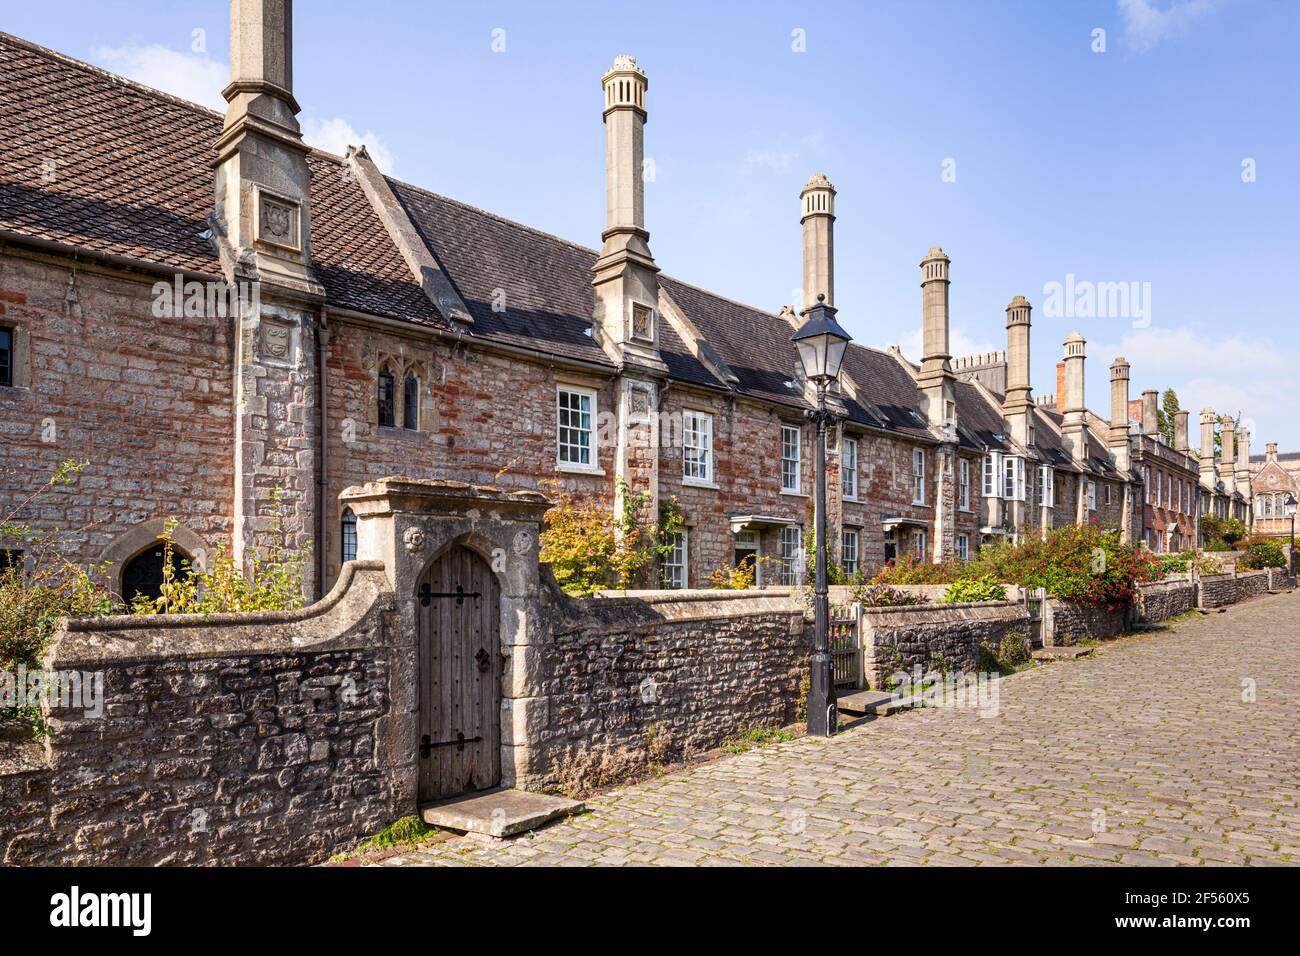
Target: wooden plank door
x,y
458,610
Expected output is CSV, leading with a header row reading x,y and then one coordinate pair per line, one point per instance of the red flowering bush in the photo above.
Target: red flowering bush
x,y
1085,564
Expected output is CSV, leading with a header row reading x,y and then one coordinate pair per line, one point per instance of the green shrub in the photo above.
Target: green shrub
x,y
1261,554
882,595
982,588
1012,651
910,569
1085,564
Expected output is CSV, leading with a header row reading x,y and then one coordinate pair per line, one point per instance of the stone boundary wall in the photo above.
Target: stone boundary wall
x,y
1067,622
1216,590
903,638
843,593
1165,599
231,739
635,677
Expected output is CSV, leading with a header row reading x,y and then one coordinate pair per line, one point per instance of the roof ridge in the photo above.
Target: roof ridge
x,y
72,61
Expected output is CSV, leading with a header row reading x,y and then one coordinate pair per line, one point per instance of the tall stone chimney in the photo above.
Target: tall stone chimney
x,y
936,379
626,283
1243,462
262,218
1060,387
1074,428
1118,436
1228,456
625,274
1180,430
1150,417
1207,447
1018,402
818,221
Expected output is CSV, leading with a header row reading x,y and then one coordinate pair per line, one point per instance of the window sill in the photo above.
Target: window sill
x,y
700,483
793,494
580,470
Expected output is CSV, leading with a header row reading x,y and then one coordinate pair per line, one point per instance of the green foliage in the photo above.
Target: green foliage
x,y
401,832
910,569
590,548
274,581
1085,564
737,578
882,595
982,588
1166,414
1220,534
834,573
751,737
1262,553
1184,561
33,599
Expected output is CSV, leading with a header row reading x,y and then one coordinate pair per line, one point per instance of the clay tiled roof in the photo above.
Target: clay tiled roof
x,y
104,164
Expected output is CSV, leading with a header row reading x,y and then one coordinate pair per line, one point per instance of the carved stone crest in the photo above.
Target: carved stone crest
x,y
278,222
523,543
413,538
276,340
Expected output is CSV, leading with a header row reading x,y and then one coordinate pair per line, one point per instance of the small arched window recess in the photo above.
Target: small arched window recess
x,y
387,397
348,535
411,402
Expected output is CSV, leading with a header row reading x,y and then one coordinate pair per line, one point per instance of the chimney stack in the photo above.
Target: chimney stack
x,y
625,274
1207,447
262,221
935,380
1150,418
1180,430
818,221
1060,387
1018,388
1243,461
1074,428
1228,453
1118,438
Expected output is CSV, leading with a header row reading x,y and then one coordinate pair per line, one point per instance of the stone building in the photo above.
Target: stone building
x,y
213,315
1273,478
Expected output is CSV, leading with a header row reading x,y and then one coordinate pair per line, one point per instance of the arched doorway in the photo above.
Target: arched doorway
x,y
142,575
458,633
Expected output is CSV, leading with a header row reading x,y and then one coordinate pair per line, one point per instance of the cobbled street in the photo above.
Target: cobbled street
x,y
1175,747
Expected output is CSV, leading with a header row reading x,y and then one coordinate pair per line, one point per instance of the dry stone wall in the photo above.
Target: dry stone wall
x,y
658,676
944,637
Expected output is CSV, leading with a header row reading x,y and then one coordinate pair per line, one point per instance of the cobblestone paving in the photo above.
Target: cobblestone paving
x,y
1144,753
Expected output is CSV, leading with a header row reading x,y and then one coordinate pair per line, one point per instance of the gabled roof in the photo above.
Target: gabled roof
x,y
98,162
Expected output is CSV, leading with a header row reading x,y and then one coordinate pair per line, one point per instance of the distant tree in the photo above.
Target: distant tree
x,y
1218,437
1166,414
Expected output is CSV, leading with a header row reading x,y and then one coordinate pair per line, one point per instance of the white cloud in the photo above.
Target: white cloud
x,y
1146,22
959,344
191,76
1231,374
335,135
200,79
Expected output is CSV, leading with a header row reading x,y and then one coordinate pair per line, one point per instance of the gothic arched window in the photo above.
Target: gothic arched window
x,y
411,402
348,535
387,398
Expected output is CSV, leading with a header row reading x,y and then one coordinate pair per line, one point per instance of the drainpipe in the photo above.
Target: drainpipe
x,y
322,455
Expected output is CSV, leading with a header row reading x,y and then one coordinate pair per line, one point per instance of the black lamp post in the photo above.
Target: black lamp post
x,y
821,343
1289,504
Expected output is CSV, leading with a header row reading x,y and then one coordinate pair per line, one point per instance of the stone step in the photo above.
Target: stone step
x,y
498,813
1060,653
862,701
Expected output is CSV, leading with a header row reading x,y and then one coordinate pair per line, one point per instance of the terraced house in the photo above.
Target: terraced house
x,y
368,327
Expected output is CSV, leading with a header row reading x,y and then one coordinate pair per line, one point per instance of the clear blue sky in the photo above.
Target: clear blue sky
x,y
1122,166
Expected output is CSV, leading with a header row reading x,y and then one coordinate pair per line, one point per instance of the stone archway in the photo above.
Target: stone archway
x,y
138,541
